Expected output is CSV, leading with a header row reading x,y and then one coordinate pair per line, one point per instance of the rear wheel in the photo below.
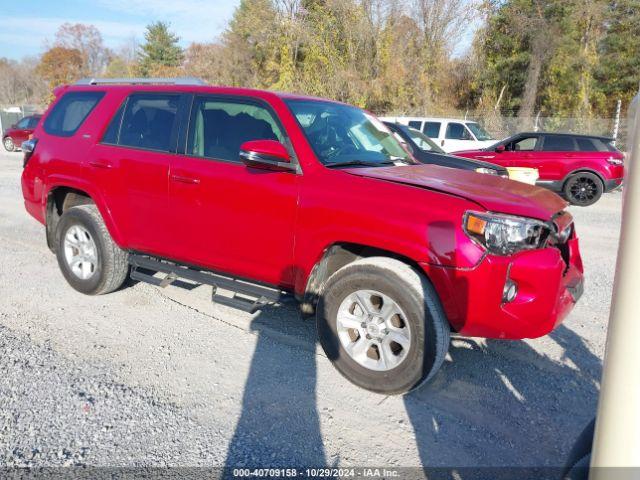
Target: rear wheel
x,y
381,324
583,189
9,146
87,255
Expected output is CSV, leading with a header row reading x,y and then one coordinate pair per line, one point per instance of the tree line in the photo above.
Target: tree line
x,y
565,58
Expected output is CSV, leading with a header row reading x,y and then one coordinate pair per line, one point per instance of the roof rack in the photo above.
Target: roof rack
x,y
141,81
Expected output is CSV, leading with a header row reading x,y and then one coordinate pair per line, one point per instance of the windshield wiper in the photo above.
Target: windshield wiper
x,y
351,163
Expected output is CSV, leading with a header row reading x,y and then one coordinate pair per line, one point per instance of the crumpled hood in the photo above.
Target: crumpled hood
x,y
495,194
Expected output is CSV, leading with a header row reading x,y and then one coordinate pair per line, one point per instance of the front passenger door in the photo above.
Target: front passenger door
x,y
457,137
226,216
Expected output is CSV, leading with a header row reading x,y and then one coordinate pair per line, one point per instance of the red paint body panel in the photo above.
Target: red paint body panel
x,y
275,226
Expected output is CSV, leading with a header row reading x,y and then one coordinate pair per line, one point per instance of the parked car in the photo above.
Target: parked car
x,y
426,151
265,194
581,167
13,137
449,134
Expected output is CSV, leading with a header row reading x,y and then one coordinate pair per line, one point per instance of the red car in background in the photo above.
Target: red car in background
x,y
13,137
581,167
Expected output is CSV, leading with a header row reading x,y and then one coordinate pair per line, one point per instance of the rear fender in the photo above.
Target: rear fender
x,y
58,181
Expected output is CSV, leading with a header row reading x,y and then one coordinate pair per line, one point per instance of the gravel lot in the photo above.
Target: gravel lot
x,y
155,377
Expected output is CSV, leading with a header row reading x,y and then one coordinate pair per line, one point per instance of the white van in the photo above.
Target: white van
x,y
452,135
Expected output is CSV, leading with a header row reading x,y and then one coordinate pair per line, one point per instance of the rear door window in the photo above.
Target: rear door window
x,y
557,143
149,122
457,131
113,131
415,124
431,129
70,112
33,122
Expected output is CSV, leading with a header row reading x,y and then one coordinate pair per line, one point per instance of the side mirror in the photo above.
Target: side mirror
x,y
267,155
500,148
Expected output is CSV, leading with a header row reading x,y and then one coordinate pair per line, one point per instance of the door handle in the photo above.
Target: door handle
x,y
100,163
442,143
184,179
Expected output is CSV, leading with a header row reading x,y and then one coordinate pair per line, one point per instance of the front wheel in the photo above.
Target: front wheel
x,y
87,255
381,324
583,189
9,146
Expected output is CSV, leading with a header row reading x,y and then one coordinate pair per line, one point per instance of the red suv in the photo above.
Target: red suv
x,y
13,137
581,167
263,194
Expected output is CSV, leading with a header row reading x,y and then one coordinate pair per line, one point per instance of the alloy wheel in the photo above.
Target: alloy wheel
x,y
373,330
583,189
80,252
8,144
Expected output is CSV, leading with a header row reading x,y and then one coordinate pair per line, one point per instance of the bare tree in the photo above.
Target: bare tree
x,y
88,41
443,22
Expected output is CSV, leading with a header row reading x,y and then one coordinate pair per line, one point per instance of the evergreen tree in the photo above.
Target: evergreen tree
x,y
160,54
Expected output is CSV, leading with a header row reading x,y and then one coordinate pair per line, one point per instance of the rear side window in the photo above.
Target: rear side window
x,y
70,112
457,131
558,144
431,129
591,145
610,146
149,122
415,124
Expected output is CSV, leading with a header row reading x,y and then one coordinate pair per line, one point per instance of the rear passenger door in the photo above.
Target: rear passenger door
x,y
131,167
556,154
226,216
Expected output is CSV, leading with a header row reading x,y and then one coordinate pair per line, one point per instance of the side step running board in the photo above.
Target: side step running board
x,y
252,296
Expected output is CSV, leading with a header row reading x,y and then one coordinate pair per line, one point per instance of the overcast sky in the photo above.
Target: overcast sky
x,y
25,25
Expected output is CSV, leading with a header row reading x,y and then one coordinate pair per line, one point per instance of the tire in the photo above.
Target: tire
x,y
583,189
82,239
419,323
9,146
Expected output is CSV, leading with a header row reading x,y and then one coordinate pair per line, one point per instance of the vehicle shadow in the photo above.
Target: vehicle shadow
x,y
506,404
279,425
494,403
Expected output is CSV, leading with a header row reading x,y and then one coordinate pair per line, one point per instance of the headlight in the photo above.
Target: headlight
x,y
505,234
488,171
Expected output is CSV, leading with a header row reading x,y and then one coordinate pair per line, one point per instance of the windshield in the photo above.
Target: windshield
x,y
423,142
480,133
341,134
